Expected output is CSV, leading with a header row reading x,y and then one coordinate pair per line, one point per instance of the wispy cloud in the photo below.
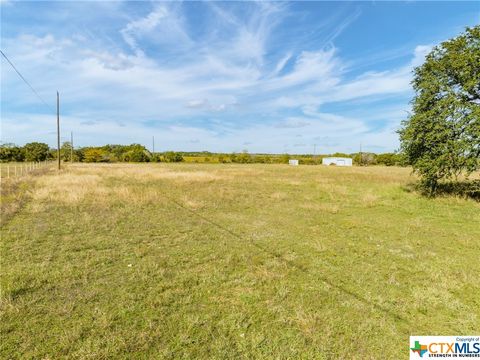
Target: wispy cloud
x,y
164,20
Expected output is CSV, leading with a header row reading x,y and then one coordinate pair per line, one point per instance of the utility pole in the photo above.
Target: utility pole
x,y
58,129
153,145
71,147
361,155
314,150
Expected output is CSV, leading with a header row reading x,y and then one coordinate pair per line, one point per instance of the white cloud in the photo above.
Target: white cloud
x,y
104,87
292,124
421,51
320,67
164,25
281,64
197,103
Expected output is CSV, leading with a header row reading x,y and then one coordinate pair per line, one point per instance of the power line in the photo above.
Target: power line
x,y
25,80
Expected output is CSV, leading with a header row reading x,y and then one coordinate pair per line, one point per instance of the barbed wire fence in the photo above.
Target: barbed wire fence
x,y
22,169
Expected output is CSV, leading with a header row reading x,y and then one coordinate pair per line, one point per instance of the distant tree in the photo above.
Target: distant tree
x,y
307,161
441,138
36,151
338,154
156,158
11,152
390,159
94,155
244,158
172,156
284,158
357,159
369,158
78,155
137,154
387,159
114,153
66,151
364,158
259,159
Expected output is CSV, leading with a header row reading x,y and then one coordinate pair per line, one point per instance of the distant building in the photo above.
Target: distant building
x,y
293,162
338,161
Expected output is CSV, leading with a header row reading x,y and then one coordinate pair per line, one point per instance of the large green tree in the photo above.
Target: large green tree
x,y
441,138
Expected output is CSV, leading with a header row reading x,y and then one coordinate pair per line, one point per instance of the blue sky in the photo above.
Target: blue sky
x,y
219,76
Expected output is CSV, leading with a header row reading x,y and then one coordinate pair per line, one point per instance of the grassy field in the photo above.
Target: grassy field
x,y
235,261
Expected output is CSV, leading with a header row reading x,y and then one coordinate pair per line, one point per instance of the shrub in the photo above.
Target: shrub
x,y
284,158
172,156
95,155
36,151
11,152
136,155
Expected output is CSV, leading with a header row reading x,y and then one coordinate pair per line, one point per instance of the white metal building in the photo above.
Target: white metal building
x,y
293,162
338,161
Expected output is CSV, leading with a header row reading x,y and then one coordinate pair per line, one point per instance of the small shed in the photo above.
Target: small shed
x,y
338,161
293,162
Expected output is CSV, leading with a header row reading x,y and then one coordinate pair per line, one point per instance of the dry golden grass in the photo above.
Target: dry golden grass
x,y
91,182
144,172
370,199
68,188
15,192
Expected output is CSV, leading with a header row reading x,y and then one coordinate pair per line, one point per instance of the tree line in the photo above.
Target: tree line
x,y
36,151
137,153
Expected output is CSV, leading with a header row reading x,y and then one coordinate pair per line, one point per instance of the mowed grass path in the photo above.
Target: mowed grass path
x,y
235,261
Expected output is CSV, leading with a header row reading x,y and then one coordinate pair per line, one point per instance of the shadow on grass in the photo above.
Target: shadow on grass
x,y
466,189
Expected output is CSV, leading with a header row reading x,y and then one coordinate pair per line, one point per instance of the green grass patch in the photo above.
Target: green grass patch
x,y
235,261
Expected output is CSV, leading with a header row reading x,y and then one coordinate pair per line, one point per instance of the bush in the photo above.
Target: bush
x,y
66,151
244,158
11,152
136,155
172,156
307,161
387,159
364,159
284,159
95,155
156,158
36,151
